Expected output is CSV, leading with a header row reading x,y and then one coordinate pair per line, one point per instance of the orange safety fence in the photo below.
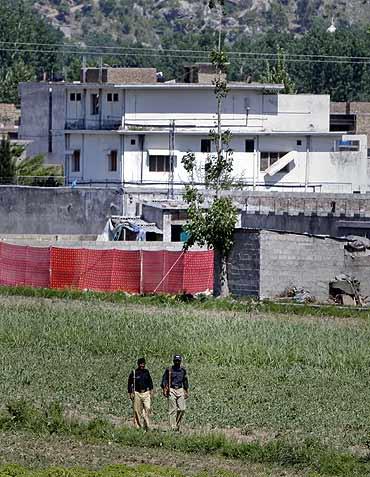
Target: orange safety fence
x,y
97,270
24,266
106,270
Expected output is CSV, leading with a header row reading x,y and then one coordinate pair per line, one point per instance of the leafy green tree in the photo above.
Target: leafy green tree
x,y
279,74
212,223
7,162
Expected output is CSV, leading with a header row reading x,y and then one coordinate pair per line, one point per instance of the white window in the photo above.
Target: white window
x,y
268,158
113,161
76,161
159,163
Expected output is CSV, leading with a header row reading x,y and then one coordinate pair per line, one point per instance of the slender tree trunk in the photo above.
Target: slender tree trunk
x,y
221,279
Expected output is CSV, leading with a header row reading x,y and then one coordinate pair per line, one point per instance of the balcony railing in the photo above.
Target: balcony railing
x,y
104,124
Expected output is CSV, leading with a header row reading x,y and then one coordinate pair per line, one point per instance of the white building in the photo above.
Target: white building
x,y
120,129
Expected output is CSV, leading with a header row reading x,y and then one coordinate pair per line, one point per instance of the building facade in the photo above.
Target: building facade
x,y
135,133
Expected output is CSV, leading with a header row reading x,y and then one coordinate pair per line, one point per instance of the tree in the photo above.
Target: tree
x,y
212,223
279,74
7,162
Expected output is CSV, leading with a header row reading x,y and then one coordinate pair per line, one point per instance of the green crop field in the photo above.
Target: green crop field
x,y
255,376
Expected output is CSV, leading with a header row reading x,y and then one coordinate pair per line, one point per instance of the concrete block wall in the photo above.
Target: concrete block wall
x,y
297,260
244,264
358,265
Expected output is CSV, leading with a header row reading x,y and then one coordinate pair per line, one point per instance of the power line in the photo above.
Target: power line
x,y
94,49
256,56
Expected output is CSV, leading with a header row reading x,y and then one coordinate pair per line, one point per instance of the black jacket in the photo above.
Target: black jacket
x,y
142,382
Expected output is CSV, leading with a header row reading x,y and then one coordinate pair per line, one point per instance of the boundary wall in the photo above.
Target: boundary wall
x,y
131,271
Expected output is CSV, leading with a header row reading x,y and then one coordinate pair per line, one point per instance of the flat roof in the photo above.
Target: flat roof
x,y
160,86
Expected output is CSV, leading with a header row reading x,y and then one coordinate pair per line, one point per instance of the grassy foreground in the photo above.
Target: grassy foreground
x,y
292,389
111,471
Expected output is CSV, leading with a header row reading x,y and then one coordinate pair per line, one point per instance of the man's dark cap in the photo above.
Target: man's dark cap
x,y
141,361
177,357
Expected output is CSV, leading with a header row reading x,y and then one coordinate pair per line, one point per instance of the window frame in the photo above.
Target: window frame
x,y
208,144
158,159
113,160
95,104
254,146
76,156
279,155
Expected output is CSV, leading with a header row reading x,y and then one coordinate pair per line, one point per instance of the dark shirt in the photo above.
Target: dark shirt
x,y
143,381
179,378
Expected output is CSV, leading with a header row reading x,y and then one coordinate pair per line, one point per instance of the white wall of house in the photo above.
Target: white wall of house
x,y
131,122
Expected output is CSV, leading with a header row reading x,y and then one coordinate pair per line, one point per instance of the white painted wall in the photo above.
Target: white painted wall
x,y
248,113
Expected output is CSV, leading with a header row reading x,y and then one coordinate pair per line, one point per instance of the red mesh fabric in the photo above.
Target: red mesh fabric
x,y
163,272
106,270
98,270
24,266
198,272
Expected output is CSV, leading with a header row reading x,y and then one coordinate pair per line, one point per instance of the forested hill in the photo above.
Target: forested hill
x,y
168,33
148,21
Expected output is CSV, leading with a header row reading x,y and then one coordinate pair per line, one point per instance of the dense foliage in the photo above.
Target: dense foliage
x,y
187,25
19,24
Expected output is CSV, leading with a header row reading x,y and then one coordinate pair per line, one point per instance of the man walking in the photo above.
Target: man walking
x,y
175,387
140,390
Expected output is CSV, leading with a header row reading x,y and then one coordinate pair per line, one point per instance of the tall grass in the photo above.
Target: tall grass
x,y
302,378
308,454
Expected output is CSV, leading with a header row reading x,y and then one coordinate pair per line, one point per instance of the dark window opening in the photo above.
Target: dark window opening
x,y
249,145
115,97
78,96
112,161
159,163
72,97
133,142
76,161
205,145
94,104
109,97
176,233
299,142
343,122
269,158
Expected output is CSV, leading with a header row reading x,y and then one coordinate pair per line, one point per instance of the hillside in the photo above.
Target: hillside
x,y
148,21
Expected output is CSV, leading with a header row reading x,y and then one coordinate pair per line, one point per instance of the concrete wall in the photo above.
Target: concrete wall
x,y
298,260
34,210
265,264
244,264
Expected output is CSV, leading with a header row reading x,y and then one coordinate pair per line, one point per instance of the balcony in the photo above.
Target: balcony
x,y
103,124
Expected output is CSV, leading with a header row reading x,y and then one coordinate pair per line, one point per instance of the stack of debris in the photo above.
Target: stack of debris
x,y
299,295
345,290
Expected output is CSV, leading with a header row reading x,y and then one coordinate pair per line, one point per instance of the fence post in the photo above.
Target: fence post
x,y
141,272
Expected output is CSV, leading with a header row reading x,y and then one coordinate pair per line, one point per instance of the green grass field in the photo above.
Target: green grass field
x,y
257,376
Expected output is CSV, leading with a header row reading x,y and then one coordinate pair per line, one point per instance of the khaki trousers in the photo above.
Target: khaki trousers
x,y
141,406
176,407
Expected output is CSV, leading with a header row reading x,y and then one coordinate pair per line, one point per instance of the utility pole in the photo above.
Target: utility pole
x,y
171,148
